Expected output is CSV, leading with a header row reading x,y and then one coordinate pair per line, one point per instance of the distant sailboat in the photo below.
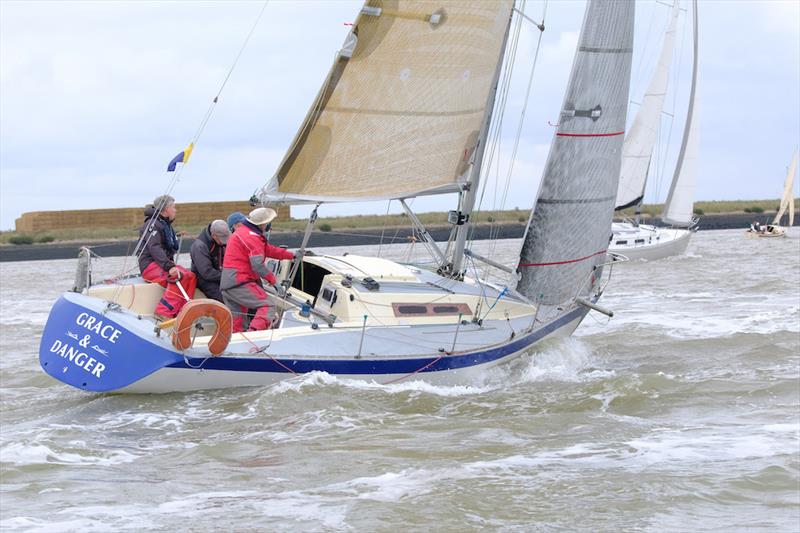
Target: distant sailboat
x,y
787,206
405,111
642,241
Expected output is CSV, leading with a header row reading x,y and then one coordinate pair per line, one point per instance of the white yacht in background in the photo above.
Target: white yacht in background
x,y
643,241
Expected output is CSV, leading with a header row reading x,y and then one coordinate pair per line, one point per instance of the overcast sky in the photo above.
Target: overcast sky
x,y
97,97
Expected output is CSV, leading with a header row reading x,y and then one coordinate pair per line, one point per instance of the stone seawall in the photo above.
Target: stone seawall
x,y
35,252
129,217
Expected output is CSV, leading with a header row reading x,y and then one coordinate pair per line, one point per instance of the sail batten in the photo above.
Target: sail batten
x,y
569,228
638,148
400,112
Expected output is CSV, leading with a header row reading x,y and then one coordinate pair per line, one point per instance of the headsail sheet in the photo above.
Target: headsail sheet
x,y
787,200
400,111
570,226
678,209
641,139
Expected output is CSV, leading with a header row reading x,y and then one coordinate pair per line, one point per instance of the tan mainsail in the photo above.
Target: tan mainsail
x,y
400,111
787,200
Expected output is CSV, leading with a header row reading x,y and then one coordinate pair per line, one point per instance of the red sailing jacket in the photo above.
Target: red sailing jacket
x,y
245,255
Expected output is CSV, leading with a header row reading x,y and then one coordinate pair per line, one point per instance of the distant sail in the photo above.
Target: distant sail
x,y
787,200
570,226
641,139
679,208
400,111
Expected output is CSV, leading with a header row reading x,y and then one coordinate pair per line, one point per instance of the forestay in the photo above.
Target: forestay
x,y
637,151
570,226
787,200
678,210
401,109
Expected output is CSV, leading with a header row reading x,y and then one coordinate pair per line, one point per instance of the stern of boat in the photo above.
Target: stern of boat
x,y
87,346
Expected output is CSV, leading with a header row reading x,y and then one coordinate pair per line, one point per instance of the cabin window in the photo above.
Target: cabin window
x,y
622,242
329,295
414,309
410,310
639,241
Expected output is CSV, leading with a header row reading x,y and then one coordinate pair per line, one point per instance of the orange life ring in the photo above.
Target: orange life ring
x,y
196,309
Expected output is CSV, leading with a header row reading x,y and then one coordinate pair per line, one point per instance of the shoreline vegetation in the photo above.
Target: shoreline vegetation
x,y
371,222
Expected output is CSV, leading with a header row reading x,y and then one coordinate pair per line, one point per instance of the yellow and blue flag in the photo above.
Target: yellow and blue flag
x,y
182,157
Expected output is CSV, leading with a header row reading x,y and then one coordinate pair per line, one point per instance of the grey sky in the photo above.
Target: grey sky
x,y
97,97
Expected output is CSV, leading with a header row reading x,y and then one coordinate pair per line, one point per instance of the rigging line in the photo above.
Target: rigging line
x,y
496,134
260,349
383,229
417,371
230,71
496,129
414,232
495,228
174,181
483,288
494,225
414,340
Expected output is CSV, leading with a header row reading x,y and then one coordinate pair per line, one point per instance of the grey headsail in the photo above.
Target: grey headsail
x,y
570,226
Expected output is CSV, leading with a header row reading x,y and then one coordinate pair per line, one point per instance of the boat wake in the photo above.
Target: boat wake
x,y
565,360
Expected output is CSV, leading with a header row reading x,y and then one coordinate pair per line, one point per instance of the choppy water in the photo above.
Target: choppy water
x,y
682,413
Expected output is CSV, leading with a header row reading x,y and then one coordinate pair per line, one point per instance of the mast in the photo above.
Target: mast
x,y
467,196
671,214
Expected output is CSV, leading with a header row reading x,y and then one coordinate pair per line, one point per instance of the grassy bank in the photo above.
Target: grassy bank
x,y
349,223
721,207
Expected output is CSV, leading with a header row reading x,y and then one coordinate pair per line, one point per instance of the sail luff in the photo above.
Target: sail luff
x,y
787,200
570,226
678,209
637,151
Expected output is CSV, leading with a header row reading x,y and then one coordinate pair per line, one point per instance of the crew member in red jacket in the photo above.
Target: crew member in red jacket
x,y
157,258
243,269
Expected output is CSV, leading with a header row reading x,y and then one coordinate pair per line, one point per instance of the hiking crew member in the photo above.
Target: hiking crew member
x,y
207,252
244,267
157,258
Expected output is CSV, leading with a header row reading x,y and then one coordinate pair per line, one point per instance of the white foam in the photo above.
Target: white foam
x,y
36,454
191,503
706,445
294,506
562,360
329,512
567,360
35,525
312,425
323,379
